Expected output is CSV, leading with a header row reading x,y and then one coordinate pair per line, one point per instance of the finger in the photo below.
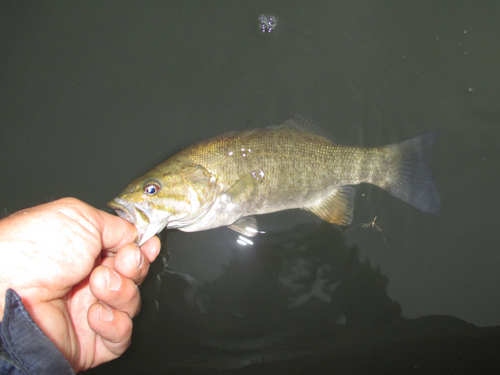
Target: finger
x,y
115,290
151,248
132,263
114,330
115,231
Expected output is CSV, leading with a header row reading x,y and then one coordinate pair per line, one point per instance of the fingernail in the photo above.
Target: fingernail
x,y
139,258
106,314
114,281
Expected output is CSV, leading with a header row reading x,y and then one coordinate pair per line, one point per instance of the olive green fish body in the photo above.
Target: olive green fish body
x,y
298,168
218,181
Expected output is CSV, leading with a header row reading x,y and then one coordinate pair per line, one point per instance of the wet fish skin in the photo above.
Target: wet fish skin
x,y
220,180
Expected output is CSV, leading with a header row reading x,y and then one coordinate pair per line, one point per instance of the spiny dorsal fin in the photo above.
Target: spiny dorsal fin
x,y
336,208
304,124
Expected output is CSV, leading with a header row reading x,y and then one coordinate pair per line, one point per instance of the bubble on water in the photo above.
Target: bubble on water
x,y
267,22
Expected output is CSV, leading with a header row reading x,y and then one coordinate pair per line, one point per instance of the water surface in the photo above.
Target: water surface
x,y
93,94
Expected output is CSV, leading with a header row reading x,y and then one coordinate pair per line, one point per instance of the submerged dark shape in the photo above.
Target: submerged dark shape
x,y
276,298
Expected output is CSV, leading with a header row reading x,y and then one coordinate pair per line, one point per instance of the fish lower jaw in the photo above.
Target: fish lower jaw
x,y
144,234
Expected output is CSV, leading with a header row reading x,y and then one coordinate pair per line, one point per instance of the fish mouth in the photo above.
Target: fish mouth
x,y
141,216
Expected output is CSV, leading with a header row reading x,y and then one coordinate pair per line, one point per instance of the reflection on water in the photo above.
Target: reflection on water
x,y
267,22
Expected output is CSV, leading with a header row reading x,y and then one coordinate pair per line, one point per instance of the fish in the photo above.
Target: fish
x,y
227,179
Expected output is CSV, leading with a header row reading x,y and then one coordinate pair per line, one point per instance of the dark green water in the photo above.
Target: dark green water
x,y
93,94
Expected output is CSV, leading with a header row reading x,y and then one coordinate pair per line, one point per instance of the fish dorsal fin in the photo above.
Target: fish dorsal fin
x,y
304,124
336,208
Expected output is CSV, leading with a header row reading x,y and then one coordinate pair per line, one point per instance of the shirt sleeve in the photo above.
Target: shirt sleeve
x,y
24,348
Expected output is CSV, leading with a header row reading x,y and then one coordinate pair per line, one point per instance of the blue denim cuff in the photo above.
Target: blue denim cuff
x,y
24,348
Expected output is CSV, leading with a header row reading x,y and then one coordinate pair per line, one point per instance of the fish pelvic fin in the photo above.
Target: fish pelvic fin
x,y
337,207
411,179
247,226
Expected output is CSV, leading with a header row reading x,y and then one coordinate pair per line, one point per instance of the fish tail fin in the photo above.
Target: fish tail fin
x,y
411,179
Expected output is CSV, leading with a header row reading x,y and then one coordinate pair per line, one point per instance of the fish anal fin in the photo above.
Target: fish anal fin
x,y
336,208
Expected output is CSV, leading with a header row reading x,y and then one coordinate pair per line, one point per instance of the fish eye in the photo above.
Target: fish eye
x,y
151,188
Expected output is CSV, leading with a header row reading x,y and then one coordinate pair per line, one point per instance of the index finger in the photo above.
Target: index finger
x,y
115,231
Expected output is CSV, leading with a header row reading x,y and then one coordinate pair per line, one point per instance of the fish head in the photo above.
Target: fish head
x,y
157,199
151,201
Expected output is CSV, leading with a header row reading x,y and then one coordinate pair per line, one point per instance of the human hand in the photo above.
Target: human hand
x,y
77,270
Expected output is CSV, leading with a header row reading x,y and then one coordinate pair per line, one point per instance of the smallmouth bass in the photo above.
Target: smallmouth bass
x,y
225,180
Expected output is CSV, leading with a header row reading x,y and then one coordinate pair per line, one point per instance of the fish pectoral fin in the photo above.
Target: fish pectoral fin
x,y
245,187
247,226
336,208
